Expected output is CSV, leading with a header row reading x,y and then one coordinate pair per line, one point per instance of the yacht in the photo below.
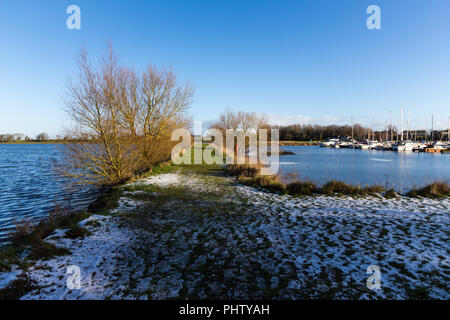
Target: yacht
x,y
420,147
329,143
344,144
437,147
404,146
387,145
373,144
363,146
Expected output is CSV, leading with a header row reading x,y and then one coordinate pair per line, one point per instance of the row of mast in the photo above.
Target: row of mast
x,y
408,133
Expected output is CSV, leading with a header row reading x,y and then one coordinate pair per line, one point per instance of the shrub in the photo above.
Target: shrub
x,y
42,250
270,183
27,233
301,188
77,232
437,189
338,187
17,288
373,189
117,132
276,186
390,194
244,170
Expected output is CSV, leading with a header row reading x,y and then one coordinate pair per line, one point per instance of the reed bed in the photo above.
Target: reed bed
x,y
250,175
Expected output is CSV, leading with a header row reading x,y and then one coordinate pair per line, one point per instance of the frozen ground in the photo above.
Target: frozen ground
x,y
197,234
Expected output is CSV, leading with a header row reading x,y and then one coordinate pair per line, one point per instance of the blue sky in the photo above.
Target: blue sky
x,y
297,61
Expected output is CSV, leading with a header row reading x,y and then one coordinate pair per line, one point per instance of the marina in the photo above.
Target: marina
x,y
412,146
395,169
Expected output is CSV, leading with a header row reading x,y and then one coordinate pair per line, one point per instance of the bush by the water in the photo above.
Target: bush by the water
x,y
390,194
270,183
29,237
117,133
341,188
246,171
250,175
437,189
306,188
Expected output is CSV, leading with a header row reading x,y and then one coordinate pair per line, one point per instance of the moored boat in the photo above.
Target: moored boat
x,y
329,143
404,146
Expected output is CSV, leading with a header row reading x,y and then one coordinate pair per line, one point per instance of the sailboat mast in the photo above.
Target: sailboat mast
x,y
409,119
386,136
432,127
353,120
373,131
392,133
401,116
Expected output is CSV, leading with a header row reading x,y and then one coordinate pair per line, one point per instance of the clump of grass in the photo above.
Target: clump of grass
x,y
250,175
159,168
341,188
93,223
17,288
77,232
42,250
28,233
10,256
29,238
438,189
244,170
306,188
268,182
337,187
276,186
107,201
390,194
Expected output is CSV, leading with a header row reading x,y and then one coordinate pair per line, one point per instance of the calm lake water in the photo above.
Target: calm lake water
x,y
29,189
400,170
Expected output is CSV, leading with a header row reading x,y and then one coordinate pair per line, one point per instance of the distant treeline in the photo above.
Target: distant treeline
x,y
306,132
7,137
42,137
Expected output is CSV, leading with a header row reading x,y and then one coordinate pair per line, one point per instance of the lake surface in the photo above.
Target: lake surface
x,y
29,188
399,170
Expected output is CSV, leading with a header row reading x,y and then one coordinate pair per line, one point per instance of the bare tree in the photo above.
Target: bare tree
x,y
122,120
42,136
241,123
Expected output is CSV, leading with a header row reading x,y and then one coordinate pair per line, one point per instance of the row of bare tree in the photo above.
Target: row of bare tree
x,y
123,120
21,137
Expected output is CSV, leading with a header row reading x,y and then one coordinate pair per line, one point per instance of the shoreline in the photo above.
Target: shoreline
x,y
37,142
171,235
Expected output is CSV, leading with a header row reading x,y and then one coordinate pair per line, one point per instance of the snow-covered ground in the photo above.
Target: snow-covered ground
x,y
188,235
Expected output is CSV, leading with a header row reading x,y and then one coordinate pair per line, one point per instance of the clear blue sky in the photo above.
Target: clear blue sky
x,y
311,61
